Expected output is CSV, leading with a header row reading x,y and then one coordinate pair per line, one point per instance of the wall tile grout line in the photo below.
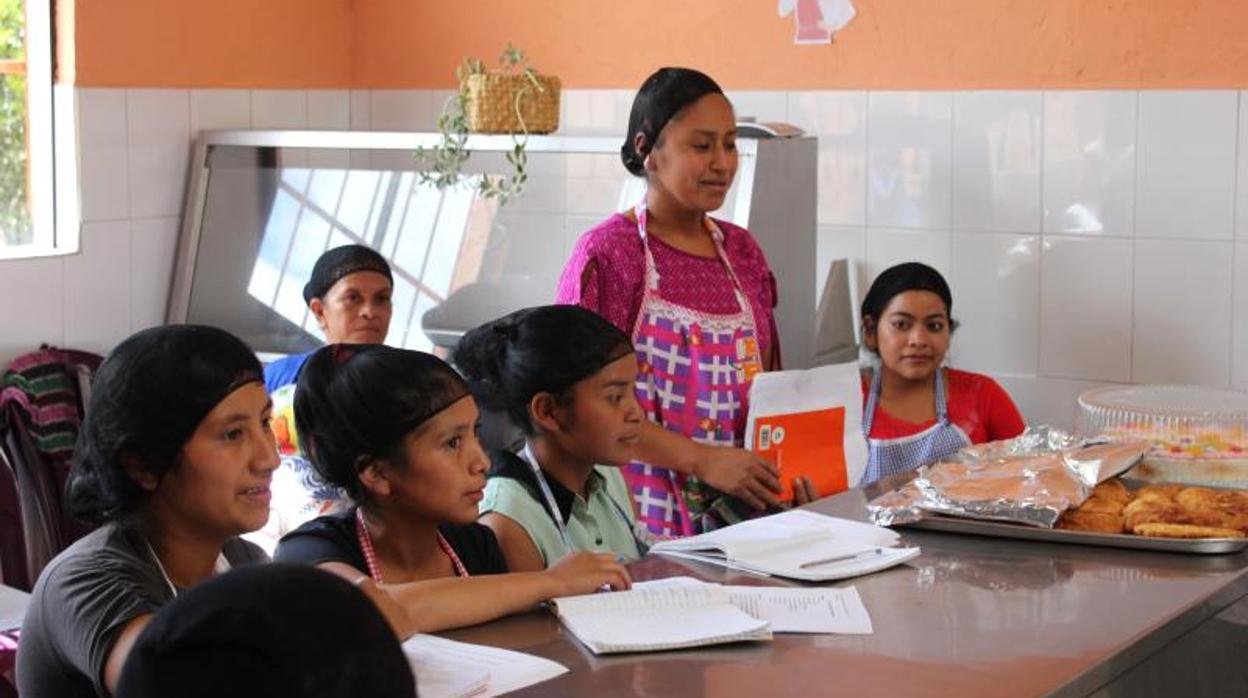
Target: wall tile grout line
x,y
1135,225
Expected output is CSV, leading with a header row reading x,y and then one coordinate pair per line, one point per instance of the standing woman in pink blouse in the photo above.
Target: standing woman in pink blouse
x,y
697,297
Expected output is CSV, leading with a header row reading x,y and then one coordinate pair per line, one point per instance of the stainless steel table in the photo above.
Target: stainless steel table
x,y
971,616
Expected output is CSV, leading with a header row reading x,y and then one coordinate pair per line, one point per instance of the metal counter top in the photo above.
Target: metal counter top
x,y
971,616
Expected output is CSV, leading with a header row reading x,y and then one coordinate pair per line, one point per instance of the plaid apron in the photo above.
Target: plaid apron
x,y
694,373
892,456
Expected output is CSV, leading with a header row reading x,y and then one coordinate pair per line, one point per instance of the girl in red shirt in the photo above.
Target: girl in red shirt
x,y
917,412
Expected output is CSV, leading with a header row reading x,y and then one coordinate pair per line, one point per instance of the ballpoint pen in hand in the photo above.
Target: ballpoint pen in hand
x,y
840,558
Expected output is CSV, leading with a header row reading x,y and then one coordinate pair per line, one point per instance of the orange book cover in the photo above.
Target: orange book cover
x,y
810,444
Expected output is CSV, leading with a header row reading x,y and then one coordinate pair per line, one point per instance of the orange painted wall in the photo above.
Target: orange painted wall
x,y
212,43
606,43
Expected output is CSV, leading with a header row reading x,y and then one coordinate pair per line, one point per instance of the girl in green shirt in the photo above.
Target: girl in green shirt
x,y
565,377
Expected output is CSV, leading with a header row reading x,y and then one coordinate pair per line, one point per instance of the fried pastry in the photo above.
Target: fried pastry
x,y
1102,505
1228,507
1114,491
1163,492
1161,510
1092,521
1168,530
1143,511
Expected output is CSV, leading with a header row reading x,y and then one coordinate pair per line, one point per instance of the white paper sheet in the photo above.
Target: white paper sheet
x,y
657,618
13,605
793,610
789,609
449,669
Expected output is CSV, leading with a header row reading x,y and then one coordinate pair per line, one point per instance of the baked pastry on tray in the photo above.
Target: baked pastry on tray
x,y
1165,510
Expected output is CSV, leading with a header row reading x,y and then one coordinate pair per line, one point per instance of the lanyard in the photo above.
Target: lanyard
x,y
370,553
222,565
549,496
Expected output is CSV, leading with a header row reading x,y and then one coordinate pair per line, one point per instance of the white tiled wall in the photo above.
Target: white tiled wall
x,y
1088,178
1089,236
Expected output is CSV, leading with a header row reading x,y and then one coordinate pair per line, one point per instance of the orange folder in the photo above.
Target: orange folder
x,y
810,444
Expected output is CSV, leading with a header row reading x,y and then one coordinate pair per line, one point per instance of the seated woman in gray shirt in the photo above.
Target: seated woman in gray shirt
x,y
174,460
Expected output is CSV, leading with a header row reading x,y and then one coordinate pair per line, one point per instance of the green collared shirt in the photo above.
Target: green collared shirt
x,y
601,522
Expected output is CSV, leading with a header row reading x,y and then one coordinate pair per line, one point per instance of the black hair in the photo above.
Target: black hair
x,y
149,396
909,276
545,349
293,630
355,403
340,262
662,96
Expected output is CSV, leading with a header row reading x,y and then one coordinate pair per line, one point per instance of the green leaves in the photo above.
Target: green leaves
x,y
15,223
443,164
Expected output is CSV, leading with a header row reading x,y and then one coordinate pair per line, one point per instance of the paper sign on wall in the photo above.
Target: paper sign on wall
x,y
817,20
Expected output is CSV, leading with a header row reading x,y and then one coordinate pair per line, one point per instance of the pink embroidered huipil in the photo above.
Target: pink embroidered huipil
x,y
698,340
614,287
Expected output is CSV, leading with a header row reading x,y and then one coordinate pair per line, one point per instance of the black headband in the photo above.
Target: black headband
x,y
340,262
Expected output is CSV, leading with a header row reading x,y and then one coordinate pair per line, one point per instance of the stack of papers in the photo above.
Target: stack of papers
x,y
448,669
795,544
684,612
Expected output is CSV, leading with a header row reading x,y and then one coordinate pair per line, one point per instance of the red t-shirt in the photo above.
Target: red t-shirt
x,y
976,404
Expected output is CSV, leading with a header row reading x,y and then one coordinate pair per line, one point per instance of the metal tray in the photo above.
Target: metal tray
x,y
996,529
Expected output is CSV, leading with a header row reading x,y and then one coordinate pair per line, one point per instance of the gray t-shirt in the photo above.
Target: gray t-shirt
x,y
83,599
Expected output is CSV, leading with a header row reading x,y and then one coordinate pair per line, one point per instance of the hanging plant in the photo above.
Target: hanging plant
x,y
514,99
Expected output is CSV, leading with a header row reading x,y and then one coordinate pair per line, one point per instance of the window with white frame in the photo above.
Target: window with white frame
x,y
26,151
421,230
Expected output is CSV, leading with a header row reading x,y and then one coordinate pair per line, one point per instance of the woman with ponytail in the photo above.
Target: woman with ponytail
x,y
696,296
564,375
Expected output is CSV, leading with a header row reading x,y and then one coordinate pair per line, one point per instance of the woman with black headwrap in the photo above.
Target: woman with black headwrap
x,y
349,295
174,461
917,410
396,430
697,297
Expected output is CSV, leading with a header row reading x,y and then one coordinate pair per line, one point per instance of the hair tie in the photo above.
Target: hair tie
x,y
506,331
341,353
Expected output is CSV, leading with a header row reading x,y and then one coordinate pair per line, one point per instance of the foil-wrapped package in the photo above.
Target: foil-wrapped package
x,y
1030,479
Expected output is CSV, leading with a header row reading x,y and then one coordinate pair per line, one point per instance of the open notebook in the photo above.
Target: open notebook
x,y
449,669
796,544
659,618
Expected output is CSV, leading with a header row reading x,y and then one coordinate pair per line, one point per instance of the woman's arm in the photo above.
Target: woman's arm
x,y
518,548
121,650
733,471
453,602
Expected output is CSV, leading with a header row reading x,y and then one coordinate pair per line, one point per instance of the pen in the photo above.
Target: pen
x,y
840,558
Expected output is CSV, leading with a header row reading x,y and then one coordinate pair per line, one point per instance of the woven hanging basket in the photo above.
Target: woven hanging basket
x,y
491,103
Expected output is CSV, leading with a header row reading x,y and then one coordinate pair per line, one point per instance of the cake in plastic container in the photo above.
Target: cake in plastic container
x,y
1198,435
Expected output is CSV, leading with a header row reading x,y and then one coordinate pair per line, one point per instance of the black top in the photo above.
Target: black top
x,y
332,538
82,601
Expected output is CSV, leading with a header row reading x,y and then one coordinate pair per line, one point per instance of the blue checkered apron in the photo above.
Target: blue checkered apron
x,y
892,456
